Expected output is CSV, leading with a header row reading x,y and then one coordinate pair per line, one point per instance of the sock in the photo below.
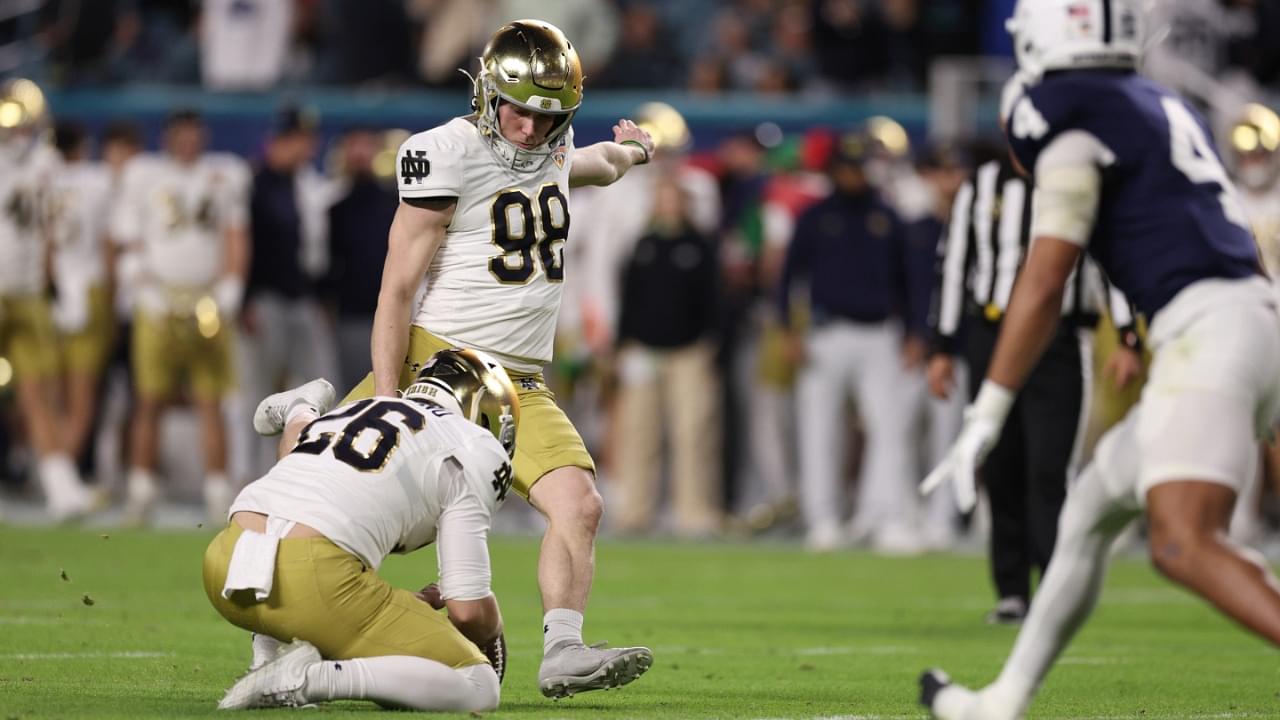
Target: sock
x,y
402,681
298,407
218,496
64,495
58,476
141,484
561,626
1090,521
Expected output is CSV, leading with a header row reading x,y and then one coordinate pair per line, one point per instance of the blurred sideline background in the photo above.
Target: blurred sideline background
x,y
748,97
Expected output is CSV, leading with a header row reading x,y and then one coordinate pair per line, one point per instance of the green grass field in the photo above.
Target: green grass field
x,y
738,630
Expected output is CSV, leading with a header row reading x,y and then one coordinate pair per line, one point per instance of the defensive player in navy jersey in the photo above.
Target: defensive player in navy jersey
x,y
1125,170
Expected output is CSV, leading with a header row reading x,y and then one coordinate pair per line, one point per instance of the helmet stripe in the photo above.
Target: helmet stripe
x,y
1106,22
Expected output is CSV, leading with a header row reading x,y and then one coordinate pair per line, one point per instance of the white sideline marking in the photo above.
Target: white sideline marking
x,y
126,654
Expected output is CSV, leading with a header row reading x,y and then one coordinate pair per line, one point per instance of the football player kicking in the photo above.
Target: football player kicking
x,y
1125,168
298,561
483,217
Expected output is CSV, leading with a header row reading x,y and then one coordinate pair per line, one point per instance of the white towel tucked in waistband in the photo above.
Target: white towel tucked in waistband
x,y
253,561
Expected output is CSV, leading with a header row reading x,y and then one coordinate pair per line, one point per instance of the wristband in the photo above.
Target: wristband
x,y
1129,338
993,402
640,145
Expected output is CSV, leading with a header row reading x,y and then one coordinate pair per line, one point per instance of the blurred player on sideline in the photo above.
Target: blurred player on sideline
x,y
299,559
483,218
1125,168
185,212
28,340
78,205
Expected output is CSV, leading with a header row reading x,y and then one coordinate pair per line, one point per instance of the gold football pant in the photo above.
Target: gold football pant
x,y
87,350
27,336
170,350
326,596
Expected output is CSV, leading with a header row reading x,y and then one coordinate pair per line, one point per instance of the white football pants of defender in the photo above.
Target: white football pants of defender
x,y
1212,394
863,362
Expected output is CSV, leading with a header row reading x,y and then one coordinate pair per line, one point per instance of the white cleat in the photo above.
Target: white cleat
x,y
948,701
270,416
575,668
279,683
66,497
75,503
265,649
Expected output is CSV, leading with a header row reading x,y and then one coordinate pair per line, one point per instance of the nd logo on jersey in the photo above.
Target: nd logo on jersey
x,y
414,166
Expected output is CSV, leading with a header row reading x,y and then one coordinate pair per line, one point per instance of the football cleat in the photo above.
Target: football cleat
x,y
946,700
574,668
1009,611
270,416
265,649
279,683
931,682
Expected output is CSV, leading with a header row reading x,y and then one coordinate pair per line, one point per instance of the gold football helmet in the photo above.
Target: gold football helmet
x,y
1255,141
531,64
23,116
475,386
665,125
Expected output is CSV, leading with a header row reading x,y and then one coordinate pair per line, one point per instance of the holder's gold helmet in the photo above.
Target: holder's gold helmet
x,y
531,64
1255,146
475,386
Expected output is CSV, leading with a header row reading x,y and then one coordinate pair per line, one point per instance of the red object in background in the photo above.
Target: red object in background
x,y
816,148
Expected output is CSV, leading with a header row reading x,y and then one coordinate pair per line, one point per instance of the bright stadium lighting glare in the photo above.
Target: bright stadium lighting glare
x,y
1244,138
207,317
890,133
10,114
6,372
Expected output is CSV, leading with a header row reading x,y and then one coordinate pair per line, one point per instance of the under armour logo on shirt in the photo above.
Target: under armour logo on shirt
x,y
414,166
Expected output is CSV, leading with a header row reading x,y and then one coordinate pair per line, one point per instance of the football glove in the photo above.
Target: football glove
x,y
982,423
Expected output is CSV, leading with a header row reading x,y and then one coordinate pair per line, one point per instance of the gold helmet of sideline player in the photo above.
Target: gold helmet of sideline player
x,y
475,386
23,116
1255,146
531,64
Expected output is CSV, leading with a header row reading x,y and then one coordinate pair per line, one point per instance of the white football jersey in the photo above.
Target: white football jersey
x,y
79,203
384,475
178,216
495,283
1263,211
23,226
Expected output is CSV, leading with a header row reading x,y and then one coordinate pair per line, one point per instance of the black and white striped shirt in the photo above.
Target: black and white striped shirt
x,y
982,252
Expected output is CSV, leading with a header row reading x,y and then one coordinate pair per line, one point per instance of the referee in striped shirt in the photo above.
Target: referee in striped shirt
x,y
1038,453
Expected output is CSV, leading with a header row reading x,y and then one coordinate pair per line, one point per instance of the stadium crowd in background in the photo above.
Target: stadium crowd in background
x,y
742,441
766,46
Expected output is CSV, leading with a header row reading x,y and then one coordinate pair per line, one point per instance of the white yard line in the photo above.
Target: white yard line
x,y
858,650
122,655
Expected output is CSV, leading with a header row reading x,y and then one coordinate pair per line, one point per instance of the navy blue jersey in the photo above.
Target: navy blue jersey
x,y
1168,215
